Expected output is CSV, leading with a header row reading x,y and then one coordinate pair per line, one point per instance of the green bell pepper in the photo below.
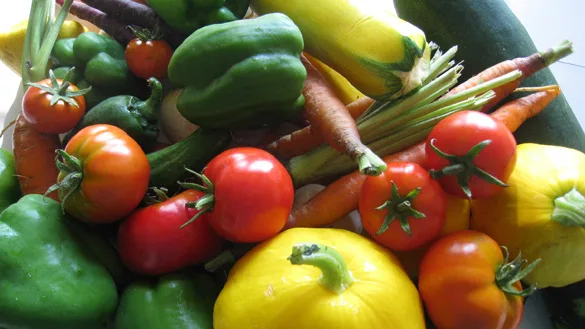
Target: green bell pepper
x,y
103,63
9,186
177,300
241,74
187,16
137,118
49,279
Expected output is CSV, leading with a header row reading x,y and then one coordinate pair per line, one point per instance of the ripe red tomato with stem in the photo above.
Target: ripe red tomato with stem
x,y
147,55
466,281
104,174
152,242
53,106
249,194
403,208
471,154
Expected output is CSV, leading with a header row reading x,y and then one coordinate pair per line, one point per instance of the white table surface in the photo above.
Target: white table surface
x,y
548,22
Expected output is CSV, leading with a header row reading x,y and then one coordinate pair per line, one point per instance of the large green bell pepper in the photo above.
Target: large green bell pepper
x,y
9,186
136,117
177,300
242,74
49,279
103,63
187,16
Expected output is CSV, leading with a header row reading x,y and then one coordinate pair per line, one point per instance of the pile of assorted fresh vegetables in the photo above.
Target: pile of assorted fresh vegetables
x,y
287,164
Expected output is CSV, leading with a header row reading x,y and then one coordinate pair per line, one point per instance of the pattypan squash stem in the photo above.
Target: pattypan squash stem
x,y
569,209
510,273
336,276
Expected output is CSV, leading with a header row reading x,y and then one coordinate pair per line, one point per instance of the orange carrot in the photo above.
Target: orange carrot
x,y
34,158
341,197
309,137
328,114
527,65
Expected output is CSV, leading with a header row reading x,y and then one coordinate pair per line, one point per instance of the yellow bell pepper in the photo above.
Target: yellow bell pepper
x,y
457,219
332,279
12,41
541,214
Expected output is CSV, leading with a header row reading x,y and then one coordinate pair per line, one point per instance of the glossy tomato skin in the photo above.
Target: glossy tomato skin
x,y
457,284
457,134
116,173
431,201
148,58
51,119
253,194
152,242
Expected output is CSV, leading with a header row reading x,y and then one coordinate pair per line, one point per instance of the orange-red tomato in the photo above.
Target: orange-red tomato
x,y
457,282
58,118
115,173
429,201
148,58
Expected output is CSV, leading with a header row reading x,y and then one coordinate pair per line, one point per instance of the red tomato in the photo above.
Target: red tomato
x,y
377,191
148,58
253,194
152,242
457,135
58,118
457,282
108,172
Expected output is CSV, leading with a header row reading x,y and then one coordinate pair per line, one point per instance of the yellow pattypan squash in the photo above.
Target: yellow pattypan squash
x,y
307,278
541,214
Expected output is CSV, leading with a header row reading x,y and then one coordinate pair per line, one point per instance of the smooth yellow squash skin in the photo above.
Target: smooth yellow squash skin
x,y
524,215
380,54
265,291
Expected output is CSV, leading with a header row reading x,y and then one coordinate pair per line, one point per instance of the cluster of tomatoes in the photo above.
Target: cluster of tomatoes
x,y
463,278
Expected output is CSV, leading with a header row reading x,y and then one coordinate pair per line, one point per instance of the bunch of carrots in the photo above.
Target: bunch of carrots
x,y
341,197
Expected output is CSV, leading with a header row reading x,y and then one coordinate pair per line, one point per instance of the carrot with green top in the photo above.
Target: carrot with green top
x,y
324,111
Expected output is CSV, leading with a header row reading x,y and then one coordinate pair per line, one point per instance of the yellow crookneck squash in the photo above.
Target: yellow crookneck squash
x,y
541,214
307,278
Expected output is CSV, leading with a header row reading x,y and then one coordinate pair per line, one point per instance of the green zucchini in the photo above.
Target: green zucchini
x,y
567,305
488,32
167,166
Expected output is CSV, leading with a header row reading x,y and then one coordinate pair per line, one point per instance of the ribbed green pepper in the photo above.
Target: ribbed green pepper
x,y
176,300
9,186
186,16
103,63
242,74
49,278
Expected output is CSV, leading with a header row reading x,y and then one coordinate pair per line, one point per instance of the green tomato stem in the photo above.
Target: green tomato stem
x,y
336,276
399,207
508,274
569,209
73,170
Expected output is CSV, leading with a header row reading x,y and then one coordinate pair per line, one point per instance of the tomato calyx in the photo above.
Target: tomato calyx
x,y
463,167
60,92
145,34
73,170
205,203
336,276
508,274
160,195
400,207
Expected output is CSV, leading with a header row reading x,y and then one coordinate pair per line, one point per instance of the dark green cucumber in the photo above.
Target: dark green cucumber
x,y
567,305
167,166
488,32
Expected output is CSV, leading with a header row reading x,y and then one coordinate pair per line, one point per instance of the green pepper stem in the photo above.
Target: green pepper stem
x,y
508,274
149,108
569,209
336,276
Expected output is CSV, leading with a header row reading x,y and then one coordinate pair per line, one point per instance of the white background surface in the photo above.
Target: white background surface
x,y
549,22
